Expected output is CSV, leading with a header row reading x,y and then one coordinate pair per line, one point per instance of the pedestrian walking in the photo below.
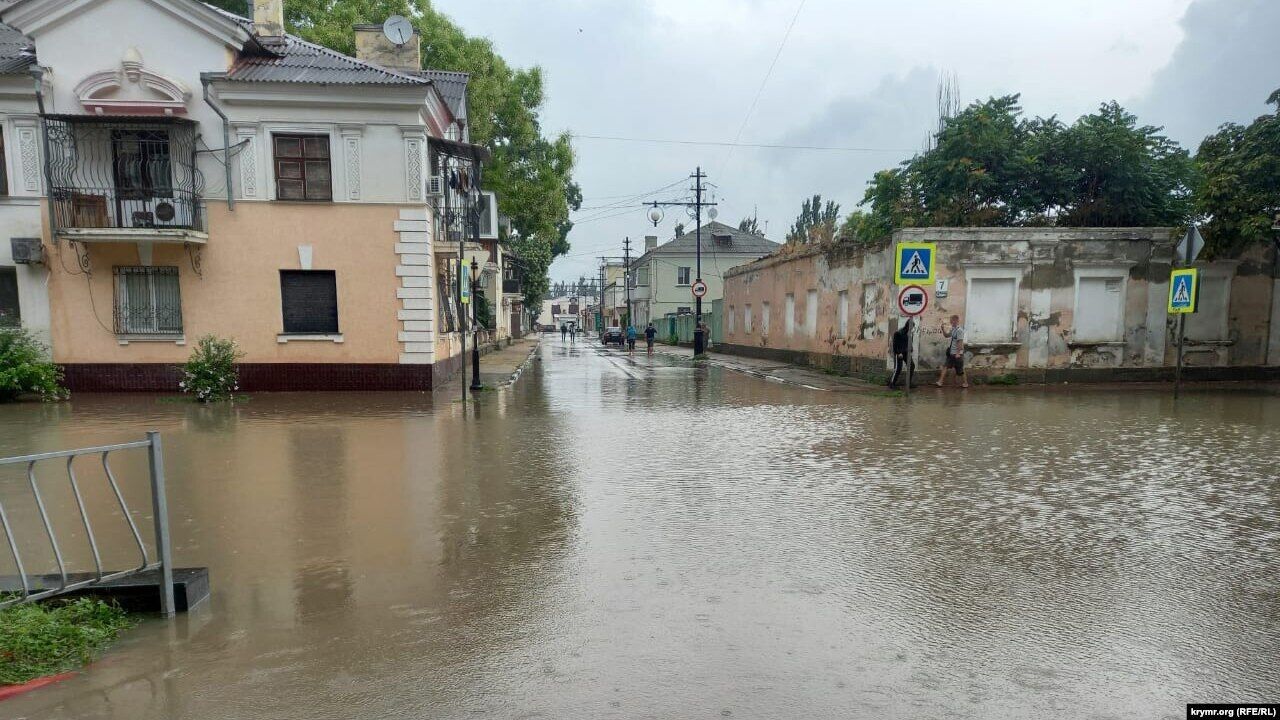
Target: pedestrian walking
x,y
631,339
564,331
902,355
706,335
955,352
650,333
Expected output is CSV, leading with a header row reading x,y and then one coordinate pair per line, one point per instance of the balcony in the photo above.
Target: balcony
x,y
512,286
125,179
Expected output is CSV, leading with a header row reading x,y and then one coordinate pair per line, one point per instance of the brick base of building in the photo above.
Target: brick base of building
x,y
875,369
254,377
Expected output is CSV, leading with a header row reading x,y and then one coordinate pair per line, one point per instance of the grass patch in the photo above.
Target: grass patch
x,y
1006,379
39,639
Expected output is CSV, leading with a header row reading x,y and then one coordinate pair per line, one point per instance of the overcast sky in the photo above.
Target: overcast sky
x,y
852,74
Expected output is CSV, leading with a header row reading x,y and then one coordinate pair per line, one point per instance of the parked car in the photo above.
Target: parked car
x,y
613,334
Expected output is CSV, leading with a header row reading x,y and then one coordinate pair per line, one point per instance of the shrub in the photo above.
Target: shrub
x,y
44,639
25,368
210,374
673,339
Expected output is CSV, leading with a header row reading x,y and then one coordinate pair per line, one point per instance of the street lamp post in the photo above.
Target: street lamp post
x,y
475,340
655,216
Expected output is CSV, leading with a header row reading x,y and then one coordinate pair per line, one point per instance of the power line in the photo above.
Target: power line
x,y
735,144
768,74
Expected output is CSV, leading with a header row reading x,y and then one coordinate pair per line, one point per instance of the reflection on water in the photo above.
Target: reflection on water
x,y
636,539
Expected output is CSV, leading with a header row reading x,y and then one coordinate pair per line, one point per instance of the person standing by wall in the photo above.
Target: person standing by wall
x,y
955,352
902,355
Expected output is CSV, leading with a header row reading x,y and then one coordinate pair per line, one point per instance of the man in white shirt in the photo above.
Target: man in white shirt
x,y
955,352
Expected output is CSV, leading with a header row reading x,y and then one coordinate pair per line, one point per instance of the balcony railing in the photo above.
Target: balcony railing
x,y
124,173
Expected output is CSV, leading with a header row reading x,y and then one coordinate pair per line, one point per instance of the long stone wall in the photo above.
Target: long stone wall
x,y
1038,304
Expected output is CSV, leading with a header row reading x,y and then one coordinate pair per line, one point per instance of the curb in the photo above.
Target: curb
x,y
8,691
515,374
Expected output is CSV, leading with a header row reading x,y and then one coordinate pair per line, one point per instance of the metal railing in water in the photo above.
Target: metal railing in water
x,y
159,507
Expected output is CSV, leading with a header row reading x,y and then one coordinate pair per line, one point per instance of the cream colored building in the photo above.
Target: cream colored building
x,y
207,174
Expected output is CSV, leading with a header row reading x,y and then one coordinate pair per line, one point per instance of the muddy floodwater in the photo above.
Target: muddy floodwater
x,y
642,539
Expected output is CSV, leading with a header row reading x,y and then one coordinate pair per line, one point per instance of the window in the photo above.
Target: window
x,y
309,302
789,315
642,276
870,294
842,313
302,167
746,320
811,314
1099,312
682,276
148,301
684,310
730,316
1209,322
990,308
10,313
764,318
140,164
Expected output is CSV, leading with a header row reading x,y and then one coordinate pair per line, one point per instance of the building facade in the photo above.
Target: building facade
x,y
662,278
1037,303
201,173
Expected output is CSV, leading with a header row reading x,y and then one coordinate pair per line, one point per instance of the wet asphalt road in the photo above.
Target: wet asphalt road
x,y
621,537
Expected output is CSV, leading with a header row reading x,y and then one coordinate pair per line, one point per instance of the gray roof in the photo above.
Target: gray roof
x,y
453,88
740,243
292,59
17,51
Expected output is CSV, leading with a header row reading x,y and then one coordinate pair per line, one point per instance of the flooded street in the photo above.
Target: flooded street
x,y
641,539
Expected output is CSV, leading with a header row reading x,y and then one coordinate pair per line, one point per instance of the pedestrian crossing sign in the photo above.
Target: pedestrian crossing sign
x,y
914,264
1184,290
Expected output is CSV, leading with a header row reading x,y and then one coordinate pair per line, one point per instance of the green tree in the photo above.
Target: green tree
x,y
531,174
815,223
988,165
1239,189
750,225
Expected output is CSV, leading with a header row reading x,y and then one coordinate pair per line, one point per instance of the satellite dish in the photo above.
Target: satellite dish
x,y
712,212
398,29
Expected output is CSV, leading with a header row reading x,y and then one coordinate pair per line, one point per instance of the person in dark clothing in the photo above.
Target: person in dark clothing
x,y
902,354
649,334
564,331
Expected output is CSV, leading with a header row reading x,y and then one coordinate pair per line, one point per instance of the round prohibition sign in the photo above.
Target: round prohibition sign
x,y
912,300
699,289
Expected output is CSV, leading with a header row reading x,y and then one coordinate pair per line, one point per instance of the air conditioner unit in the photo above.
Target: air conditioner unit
x,y
435,185
26,250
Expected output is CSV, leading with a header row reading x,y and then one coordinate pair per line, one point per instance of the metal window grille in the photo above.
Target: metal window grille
x,y
148,301
111,172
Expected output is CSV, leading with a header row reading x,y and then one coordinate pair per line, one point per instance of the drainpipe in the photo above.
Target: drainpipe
x,y
205,80
37,74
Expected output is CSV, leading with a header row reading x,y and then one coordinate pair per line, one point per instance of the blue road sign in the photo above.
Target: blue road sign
x,y
915,263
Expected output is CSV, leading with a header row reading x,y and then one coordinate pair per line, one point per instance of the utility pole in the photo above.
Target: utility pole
x,y
655,216
699,341
448,225
603,324
626,276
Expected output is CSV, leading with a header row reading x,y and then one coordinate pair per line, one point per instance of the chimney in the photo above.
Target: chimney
x,y
268,18
372,45
650,242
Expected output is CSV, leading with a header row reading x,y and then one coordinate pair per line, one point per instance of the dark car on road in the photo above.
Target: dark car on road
x,y
613,335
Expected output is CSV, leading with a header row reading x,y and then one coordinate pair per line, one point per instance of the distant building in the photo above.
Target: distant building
x,y
662,278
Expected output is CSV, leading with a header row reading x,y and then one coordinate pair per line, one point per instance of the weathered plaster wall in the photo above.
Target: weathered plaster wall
x,y
1116,277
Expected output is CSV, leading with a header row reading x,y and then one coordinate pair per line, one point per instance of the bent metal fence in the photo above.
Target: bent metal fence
x,y
65,582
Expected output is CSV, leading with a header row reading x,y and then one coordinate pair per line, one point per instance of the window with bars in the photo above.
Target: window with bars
x,y
309,302
148,300
302,167
140,164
